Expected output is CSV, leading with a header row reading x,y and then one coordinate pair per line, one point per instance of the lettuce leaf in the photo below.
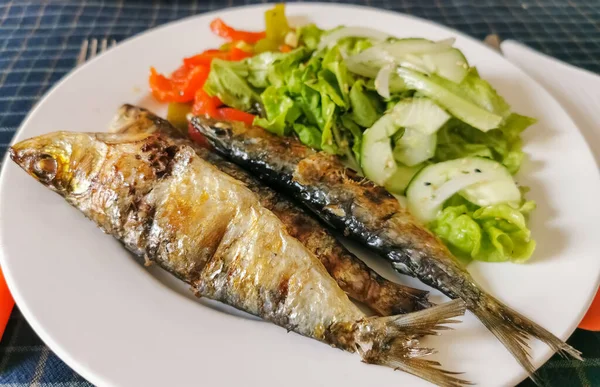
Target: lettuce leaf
x,y
365,106
514,125
480,92
348,124
309,35
280,109
258,68
334,67
352,46
280,71
309,135
227,80
324,86
328,143
495,233
457,139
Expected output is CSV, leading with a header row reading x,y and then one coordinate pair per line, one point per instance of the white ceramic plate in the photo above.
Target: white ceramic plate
x,y
117,323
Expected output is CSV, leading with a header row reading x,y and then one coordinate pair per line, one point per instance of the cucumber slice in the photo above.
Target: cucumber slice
x,y
421,118
450,64
421,114
377,159
399,181
460,107
414,147
429,57
477,179
415,46
421,55
402,200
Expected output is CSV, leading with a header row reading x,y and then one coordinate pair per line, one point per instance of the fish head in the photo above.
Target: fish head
x,y
65,162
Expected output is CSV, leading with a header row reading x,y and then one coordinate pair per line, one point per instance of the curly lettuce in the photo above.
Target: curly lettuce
x,y
310,93
457,139
497,233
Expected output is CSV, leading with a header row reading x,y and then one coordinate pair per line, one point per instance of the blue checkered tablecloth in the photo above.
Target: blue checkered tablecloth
x,y
40,40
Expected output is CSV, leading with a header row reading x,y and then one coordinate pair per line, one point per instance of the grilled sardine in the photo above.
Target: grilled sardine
x,y
367,213
351,274
166,204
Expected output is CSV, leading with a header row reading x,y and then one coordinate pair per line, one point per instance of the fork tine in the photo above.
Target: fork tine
x,y
93,49
104,45
89,49
82,52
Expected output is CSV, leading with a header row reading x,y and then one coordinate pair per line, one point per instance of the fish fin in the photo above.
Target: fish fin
x,y
395,299
419,297
514,330
393,342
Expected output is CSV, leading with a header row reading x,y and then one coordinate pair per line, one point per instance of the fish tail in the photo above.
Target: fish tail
x,y
515,330
393,342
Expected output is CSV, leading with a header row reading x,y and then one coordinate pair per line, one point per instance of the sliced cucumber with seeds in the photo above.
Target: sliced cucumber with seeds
x,y
481,181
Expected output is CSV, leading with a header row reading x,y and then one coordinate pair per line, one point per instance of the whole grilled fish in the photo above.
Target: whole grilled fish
x,y
166,204
367,213
351,274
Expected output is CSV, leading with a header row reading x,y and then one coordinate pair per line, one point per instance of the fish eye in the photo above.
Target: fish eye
x,y
44,167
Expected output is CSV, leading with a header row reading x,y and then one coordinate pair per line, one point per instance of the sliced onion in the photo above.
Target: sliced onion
x,y
413,62
355,32
448,189
369,62
382,81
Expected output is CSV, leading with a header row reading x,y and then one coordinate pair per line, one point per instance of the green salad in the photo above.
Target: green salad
x,y
409,114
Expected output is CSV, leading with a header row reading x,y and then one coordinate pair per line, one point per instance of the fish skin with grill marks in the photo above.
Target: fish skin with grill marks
x,y
368,214
168,205
351,274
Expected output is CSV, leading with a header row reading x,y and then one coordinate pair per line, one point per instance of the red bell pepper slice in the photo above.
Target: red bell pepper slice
x,y
204,104
237,54
232,114
219,27
182,85
205,58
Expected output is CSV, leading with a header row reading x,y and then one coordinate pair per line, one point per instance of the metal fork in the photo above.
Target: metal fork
x,y
89,49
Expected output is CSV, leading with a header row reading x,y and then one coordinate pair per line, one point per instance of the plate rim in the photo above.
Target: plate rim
x,y
97,379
